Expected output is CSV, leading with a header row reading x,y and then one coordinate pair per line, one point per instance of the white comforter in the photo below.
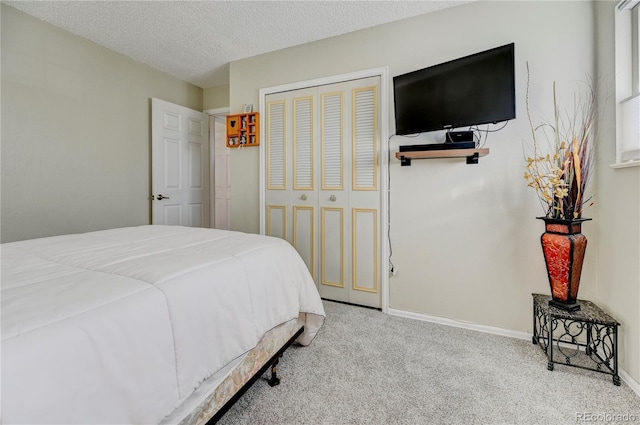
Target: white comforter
x,y
120,326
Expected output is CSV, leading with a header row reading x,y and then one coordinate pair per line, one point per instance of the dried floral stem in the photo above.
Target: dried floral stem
x,y
560,175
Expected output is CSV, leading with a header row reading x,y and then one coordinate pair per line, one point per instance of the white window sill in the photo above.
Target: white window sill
x,y
626,164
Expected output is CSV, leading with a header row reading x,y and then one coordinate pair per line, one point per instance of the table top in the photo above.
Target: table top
x,y
589,312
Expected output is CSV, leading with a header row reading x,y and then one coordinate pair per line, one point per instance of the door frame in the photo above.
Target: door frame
x,y
383,73
213,113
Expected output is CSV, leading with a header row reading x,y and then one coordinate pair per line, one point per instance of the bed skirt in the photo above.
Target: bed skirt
x,y
218,390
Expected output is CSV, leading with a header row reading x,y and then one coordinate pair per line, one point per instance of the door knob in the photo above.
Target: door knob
x,y
160,197
332,198
304,197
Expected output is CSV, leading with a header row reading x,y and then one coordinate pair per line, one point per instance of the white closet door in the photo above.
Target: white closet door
x,y
278,197
304,194
349,196
334,195
291,195
322,194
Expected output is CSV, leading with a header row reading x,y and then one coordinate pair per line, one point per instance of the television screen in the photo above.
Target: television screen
x,y
473,90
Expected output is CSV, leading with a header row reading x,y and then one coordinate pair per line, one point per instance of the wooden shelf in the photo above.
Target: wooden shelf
x,y
243,130
472,155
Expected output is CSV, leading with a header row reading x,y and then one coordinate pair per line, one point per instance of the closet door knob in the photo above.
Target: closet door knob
x,y
304,197
160,197
332,198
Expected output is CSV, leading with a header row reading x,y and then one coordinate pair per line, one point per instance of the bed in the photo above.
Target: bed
x,y
146,325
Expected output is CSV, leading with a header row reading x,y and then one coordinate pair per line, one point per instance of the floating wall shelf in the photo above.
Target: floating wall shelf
x,y
472,155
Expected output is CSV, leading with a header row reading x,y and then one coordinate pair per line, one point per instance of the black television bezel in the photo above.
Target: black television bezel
x,y
462,61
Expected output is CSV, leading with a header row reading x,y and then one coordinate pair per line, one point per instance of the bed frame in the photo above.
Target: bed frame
x,y
273,381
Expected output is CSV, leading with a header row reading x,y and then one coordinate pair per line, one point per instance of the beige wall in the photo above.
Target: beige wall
x,y
75,131
215,97
76,140
465,238
618,289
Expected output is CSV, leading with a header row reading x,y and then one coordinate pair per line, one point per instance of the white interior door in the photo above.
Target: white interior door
x,y
179,165
222,175
323,186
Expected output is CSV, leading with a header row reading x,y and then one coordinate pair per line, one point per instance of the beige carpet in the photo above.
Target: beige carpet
x,y
365,367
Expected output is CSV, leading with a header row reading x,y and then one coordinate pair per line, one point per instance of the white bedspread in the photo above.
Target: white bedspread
x,y
120,326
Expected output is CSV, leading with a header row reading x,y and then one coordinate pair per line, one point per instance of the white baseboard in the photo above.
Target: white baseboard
x,y
632,383
460,324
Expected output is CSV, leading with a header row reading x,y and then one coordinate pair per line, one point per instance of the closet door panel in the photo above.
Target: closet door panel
x,y
365,249
277,221
322,154
333,249
365,139
332,140
290,170
333,195
276,145
303,143
278,194
304,198
304,240
333,260
364,194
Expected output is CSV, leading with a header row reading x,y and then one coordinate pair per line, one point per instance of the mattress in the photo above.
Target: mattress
x,y
124,325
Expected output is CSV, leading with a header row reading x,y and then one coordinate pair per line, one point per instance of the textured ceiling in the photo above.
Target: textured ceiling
x,y
196,40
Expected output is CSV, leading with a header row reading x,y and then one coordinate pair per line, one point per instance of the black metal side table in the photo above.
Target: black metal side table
x,y
586,338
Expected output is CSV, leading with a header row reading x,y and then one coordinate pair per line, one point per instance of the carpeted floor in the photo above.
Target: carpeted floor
x,y
365,367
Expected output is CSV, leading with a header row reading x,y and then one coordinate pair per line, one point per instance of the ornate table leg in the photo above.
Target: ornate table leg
x,y
550,342
534,338
587,349
616,378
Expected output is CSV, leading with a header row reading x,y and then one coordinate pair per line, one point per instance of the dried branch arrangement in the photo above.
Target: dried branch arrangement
x,y
561,159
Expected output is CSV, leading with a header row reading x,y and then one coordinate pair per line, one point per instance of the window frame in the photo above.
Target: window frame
x,y
627,58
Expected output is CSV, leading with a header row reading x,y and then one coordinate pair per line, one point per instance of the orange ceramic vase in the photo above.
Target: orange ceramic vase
x,y
564,246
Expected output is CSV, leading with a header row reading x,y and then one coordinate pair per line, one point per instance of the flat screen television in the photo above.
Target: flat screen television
x,y
473,90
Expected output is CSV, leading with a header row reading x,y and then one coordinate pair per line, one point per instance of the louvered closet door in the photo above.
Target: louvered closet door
x,y
322,154
349,197
292,195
